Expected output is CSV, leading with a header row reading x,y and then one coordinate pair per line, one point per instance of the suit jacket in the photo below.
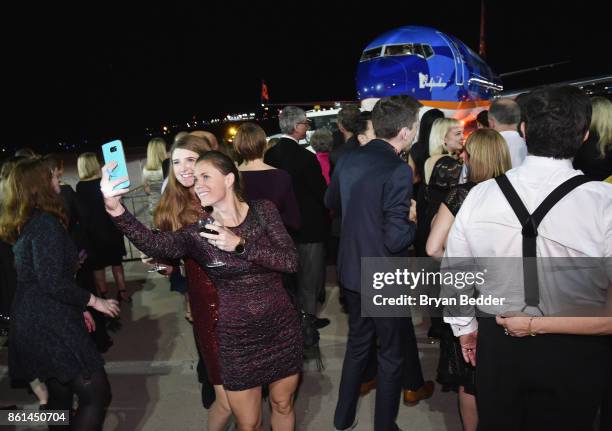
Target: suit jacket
x,y
309,187
372,188
350,144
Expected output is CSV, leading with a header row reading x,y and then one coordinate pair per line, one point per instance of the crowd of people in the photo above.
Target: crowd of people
x,y
255,227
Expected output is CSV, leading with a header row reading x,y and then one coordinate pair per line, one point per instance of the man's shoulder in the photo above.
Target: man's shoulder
x,y
601,191
512,137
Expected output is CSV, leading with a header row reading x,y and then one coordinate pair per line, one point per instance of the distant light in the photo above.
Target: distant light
x,y
165,128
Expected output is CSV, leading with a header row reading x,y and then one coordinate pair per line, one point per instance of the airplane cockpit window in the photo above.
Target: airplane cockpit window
x,y
422,50
418,50
404,49
371,53
427,51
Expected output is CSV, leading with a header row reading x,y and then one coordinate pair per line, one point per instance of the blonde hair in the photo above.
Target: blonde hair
x,y
488,153
601,122
156,154
438,132
88,167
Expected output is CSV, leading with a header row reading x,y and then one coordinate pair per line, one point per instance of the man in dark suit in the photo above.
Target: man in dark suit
x,y
372,188
309,187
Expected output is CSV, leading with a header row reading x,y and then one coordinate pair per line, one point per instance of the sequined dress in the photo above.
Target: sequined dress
x,y
258,329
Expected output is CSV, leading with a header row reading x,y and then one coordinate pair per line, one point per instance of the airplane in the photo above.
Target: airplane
x,y
437,69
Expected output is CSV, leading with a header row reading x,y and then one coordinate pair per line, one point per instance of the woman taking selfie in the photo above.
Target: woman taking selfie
x,y
258,329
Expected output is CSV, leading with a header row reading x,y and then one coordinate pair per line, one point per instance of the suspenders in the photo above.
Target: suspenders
x,y
530,223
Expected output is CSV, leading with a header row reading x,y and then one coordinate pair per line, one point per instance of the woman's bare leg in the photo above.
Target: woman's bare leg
x,y
282,393
220,411
468,409
246,406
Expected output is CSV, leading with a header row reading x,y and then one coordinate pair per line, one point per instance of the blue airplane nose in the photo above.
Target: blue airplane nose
x,y
389,76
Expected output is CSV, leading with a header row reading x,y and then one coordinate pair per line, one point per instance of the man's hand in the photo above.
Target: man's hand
x,y
468,347
412,216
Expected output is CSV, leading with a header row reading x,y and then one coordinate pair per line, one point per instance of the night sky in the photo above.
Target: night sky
x,y
104,71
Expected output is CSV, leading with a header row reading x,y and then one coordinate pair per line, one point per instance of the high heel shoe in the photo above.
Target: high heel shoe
x,y
122,295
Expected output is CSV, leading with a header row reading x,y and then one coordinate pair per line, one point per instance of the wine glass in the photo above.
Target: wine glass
x,y
208,219
157,267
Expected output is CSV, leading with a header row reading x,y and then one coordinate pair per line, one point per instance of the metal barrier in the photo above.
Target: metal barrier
x,y
141,204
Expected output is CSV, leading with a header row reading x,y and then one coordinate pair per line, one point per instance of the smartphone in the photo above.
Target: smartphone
x,y
113,152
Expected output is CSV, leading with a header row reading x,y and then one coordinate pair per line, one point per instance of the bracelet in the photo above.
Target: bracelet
x,y
533,334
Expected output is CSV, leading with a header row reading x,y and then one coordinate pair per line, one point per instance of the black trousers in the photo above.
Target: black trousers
x,y
412,375
547,382
391,334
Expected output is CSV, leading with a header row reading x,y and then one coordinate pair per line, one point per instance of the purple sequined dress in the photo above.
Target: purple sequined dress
x,y
258,328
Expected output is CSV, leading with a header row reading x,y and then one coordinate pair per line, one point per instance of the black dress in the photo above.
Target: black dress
x,y
444,176
102,240
48,338
453,371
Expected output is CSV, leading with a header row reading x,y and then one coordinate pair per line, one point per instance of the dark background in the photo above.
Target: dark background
x,y
101,71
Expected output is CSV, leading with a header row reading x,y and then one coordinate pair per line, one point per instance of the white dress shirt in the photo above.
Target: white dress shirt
x,y
517,147
580,225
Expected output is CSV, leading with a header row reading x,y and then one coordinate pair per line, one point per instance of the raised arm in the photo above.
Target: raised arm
x,y
159,245
281,255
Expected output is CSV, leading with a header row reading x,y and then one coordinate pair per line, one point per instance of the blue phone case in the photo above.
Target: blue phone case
x,y
113,152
